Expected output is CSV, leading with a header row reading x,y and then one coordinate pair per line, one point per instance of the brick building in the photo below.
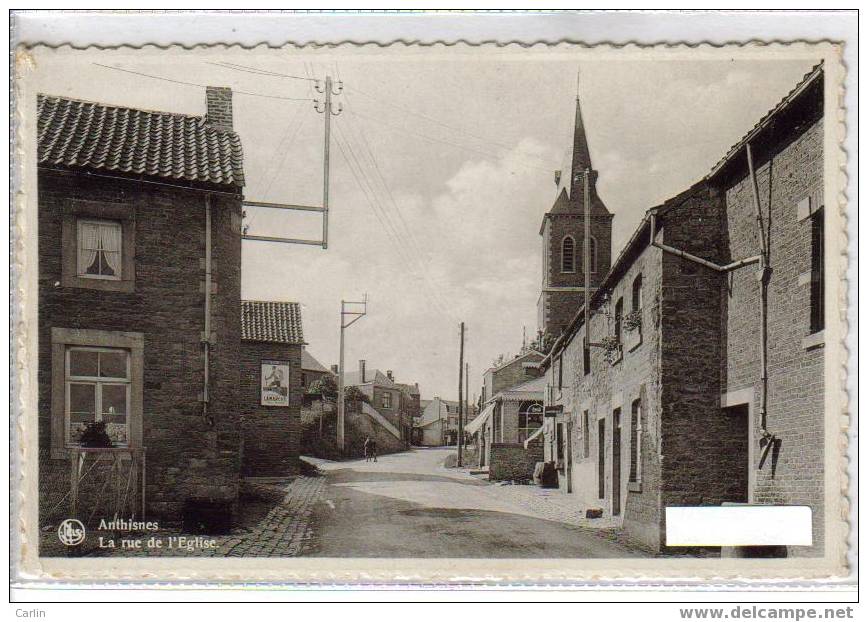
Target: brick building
x,y
672,410
139,303
271,387
563,235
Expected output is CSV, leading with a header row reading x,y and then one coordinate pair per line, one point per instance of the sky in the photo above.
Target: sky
x,y
442,166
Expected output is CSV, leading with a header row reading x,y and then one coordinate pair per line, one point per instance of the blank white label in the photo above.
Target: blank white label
x,y
739,525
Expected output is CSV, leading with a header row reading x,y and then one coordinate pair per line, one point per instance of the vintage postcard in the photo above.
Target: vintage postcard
x,y
430,314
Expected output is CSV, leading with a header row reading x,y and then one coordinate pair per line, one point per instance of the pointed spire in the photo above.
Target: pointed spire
x,y
581,153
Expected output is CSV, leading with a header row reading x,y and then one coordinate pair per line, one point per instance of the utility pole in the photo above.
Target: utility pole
x,y
328,90
347,310
461,398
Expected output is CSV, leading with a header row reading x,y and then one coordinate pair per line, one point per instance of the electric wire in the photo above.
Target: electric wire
x,y
257,71
201,86
407,230
389,228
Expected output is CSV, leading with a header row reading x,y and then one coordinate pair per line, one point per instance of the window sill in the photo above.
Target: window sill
x,y
632,342
104,285
815,340
634,486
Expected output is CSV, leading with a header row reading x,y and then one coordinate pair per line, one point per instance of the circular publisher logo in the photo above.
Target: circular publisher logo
x,y
71,532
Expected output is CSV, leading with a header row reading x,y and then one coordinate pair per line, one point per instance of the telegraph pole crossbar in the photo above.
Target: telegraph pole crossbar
x,y
326,108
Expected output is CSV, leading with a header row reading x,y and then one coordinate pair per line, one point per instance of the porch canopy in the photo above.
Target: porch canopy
x,y
474,426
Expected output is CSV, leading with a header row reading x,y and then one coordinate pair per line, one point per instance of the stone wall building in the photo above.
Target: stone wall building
x,y
671,411
271,387
138,210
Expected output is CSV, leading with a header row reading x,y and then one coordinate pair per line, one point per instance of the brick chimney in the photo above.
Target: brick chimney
x,y
389,375
335,369
361,371
219,112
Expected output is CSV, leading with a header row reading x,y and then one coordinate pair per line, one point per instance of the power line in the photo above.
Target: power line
x,y
416,247
388,226
261,72
414,254
444,142
413,248
202,86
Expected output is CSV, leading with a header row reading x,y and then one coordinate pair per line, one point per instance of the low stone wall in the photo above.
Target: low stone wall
x,y
511,461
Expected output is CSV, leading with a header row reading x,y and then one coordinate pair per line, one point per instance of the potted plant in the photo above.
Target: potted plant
x,y
95,435
632,320
611,348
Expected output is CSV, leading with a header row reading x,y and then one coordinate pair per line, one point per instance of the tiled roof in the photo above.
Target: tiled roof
x,y
275,322
80,134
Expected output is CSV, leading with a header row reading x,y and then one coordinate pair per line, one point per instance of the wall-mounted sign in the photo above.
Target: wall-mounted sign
x,y
554,411
274,383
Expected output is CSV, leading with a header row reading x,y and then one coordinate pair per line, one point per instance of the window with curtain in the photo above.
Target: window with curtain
x,y
568,254
97,390
99,249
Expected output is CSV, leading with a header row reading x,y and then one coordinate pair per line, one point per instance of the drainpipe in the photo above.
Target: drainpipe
x,y
689,257
206,334
763,276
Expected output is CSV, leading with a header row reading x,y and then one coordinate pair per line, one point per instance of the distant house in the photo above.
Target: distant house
x,y
431,426
438,423
271,393
311,370
384,395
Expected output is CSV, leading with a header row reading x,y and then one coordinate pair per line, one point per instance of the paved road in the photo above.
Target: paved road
x,y
409,505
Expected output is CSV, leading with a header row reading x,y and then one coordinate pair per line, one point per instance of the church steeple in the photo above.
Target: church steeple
x,y
563,234
581,159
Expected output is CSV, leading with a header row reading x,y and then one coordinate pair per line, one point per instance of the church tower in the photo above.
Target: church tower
x,y
562,232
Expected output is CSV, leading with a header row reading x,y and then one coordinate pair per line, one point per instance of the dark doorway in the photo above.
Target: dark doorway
x,y
601,458
616,462
734,457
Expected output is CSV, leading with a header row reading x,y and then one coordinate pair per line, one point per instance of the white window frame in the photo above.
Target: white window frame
x,y
386,400
78,247
97,382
